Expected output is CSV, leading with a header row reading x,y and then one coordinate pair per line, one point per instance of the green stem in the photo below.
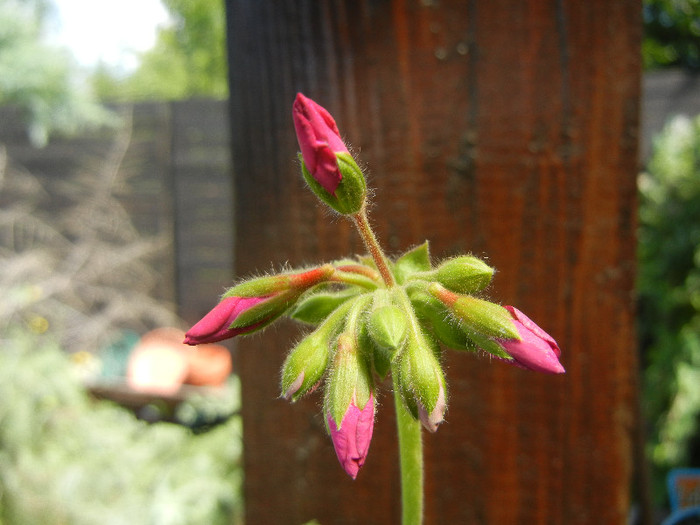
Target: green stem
x,y
354,279
373,247
411,461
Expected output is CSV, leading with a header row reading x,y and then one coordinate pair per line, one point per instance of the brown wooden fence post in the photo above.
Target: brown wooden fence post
x,y
507,129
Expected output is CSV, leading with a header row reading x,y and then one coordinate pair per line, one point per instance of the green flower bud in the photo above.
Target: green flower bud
x,y
464,274
308,360
305,366
387,326
477,315
421,381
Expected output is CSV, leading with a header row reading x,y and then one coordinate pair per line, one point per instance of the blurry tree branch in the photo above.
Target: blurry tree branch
x,y
71,260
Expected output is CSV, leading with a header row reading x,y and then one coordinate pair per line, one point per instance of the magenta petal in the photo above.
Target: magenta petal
x,y
351,441
532,352
536,350
530,325
214,326
319,140
327,172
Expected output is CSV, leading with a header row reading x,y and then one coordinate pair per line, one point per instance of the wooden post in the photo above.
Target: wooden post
x,y
505,129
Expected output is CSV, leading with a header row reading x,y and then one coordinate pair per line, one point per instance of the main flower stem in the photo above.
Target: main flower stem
x,y
411,461
409,429
373,247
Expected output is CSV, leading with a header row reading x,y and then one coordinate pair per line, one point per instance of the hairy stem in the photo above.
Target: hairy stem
x,y
373,247
411,461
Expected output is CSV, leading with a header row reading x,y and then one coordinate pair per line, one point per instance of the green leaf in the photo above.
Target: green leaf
x,y
415,260
316,307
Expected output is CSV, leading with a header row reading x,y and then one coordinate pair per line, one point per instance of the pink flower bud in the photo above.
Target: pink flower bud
x,y
536,350
351,440
319,140
216,325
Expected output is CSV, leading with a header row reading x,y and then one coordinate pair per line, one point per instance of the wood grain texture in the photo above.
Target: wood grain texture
x,y
504,129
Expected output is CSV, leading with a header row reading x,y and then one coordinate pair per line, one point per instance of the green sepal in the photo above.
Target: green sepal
x,y
349,377
349,197
348,380
267,310
420,375
318,305
281,282
443,326
415,260
489,345
485,318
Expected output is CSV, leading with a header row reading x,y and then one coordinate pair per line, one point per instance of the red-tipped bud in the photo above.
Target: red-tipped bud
x,y
536,350
254,304
217,324
327,166
351,439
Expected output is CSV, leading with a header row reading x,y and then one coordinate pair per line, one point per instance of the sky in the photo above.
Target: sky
x,y
108,30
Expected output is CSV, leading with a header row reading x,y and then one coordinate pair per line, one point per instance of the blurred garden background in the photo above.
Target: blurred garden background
x,y
116,222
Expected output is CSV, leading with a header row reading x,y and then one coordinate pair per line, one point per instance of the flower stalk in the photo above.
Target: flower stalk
x,y
410,461
373,247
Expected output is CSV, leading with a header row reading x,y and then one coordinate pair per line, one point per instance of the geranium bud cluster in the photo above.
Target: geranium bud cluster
x,y
370,317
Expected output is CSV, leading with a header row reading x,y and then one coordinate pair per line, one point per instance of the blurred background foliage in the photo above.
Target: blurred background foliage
x,y
669,297
671,34
42,79
668,282
66,458
188,59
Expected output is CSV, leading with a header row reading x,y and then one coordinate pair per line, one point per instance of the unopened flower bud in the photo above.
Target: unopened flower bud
x,y
307,362
388,326
352,437
223,321
349,401
282,282
327,166
421,381
349,378
465,274
477,315
254,304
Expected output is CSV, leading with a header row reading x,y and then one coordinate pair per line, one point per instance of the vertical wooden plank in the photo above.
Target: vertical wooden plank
x,y
508,130
202,189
